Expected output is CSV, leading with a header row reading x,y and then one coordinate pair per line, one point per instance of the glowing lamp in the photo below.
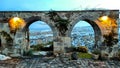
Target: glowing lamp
x,y
16,23
103,18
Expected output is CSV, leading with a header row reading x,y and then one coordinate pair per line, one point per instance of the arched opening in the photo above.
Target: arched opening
x,y
39,37
40,33
83,34
96,28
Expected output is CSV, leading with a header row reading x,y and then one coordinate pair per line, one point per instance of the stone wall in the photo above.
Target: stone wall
x,y
90,16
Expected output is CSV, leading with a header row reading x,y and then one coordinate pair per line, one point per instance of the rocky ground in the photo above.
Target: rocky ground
x,y
50,62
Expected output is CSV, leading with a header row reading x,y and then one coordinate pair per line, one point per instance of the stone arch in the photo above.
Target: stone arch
x,y
96,28
31,20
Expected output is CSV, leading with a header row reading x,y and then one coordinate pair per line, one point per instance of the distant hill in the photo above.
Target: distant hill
x,y
40,29
84,28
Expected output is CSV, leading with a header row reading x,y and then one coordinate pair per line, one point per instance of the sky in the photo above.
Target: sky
x,y
66,5
41,26
41,5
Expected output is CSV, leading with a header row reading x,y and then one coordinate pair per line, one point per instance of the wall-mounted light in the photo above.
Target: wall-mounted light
x,y
16,23
104,18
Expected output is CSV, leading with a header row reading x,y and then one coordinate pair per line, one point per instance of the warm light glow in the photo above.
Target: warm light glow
x,y
108,23
104,18
16,23
16,18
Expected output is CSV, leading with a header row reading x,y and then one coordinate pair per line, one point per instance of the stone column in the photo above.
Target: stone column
x,y
27,40
60,44
98,41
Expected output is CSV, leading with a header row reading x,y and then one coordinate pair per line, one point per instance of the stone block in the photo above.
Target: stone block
x,y
15,55
58,47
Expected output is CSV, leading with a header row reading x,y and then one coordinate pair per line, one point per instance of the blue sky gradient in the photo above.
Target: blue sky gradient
x,y
46,5
43,5
40,26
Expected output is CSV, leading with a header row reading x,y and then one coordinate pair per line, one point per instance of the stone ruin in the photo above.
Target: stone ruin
x,y
93,17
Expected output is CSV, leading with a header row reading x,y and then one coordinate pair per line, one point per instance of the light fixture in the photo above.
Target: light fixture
x,y
103,18
16,23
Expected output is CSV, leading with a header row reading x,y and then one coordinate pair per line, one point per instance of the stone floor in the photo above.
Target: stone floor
x,y
50,62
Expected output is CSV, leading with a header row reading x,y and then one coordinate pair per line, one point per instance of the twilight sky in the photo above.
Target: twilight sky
x,y
46,5
39,5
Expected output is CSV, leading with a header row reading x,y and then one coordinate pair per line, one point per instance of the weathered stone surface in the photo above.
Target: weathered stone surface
x,y
15,55
5,51
90,16
61,43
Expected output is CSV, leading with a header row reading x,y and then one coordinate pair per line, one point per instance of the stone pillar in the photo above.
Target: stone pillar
x,y
60,44
27,39
98,41
3,42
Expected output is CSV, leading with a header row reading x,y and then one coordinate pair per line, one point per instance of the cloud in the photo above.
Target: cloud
x,y
110,4
82,23
39,24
